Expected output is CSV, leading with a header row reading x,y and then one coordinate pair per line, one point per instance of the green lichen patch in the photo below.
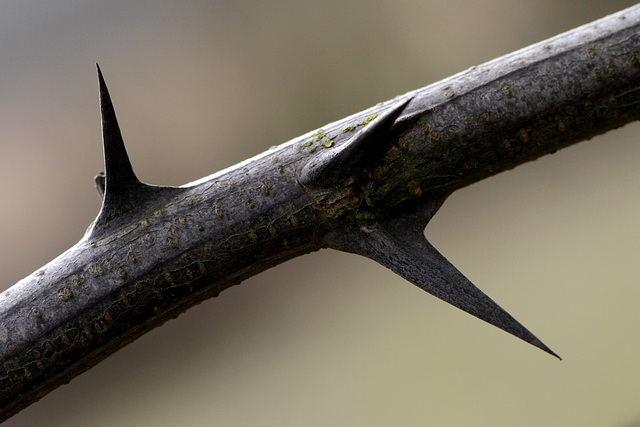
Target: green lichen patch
x,y
319,135
362,123
368,120
328,143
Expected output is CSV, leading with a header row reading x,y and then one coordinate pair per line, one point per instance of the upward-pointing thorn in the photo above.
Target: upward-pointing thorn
x,y
122,193
120,178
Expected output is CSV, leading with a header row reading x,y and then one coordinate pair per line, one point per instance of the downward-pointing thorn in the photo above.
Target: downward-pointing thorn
x,y
399,244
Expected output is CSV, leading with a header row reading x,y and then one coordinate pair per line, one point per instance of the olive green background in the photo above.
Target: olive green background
x,y
327,339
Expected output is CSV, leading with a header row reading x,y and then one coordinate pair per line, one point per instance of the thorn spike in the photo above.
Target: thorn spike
x,y
337,164
119,174
400,245
121,191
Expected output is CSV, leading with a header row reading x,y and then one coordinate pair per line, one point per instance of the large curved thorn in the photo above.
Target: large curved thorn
x,y
400,245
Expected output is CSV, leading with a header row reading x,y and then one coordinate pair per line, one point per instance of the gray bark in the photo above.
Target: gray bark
x,y
153,252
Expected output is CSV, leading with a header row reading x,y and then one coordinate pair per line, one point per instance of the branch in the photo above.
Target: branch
x,y
367,184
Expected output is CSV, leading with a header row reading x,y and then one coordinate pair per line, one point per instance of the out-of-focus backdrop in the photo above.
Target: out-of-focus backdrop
x,y
327,339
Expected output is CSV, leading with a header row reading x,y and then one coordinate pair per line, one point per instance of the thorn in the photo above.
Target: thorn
x,y
400,245
335,165
119,174
120,189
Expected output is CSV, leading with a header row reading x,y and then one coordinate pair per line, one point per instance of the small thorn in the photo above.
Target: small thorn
x,y
99,180
335,165
400,245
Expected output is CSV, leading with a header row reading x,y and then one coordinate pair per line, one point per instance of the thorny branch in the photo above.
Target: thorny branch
x,y
367,184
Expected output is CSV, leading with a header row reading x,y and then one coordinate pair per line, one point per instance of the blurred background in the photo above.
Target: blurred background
x,y
328,338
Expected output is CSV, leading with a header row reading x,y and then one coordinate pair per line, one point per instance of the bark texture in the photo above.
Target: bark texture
x,y
366,184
